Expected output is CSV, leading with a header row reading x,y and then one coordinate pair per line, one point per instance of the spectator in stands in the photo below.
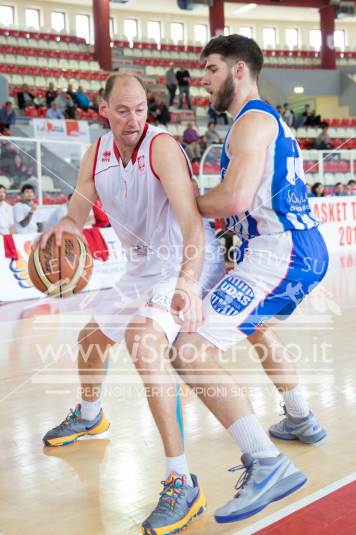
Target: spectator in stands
x,y
191,142
7,117
97,99
152,107
18,171
51,94
25,98
6,214
308,118
317,190
211,134
323,141
279,109
65,105
308,188
24,211
7,157
171,83
215,116
54,112
183,79
58,213
288,114
162,113
70,91
351,187
82,99
339,189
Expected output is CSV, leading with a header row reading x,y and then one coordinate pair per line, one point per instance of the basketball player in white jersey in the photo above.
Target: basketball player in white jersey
x,y
263,198
143,179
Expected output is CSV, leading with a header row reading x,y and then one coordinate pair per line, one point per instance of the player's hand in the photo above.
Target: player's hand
x,y
187,306
66,224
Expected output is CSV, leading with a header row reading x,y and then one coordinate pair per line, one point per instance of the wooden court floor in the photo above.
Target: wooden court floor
x,y
108,485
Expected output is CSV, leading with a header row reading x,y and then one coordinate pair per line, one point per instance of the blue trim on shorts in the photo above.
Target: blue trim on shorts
x,y
308,265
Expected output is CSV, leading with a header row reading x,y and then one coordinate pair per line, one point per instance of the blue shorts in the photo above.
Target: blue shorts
x,y
273,275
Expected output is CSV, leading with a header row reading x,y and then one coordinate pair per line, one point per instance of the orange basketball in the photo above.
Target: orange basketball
x,y
61,271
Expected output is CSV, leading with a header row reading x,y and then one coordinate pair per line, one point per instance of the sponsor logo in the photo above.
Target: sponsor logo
x,y
232,296
141,163
106,156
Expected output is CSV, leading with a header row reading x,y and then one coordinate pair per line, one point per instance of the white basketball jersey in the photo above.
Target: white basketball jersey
x,y
135,201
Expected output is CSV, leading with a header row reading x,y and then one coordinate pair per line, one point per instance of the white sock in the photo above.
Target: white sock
x,y
90,409
251,438
179,465
296,405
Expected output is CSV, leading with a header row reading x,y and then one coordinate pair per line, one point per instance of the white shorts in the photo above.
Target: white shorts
x,y
273,276
148,296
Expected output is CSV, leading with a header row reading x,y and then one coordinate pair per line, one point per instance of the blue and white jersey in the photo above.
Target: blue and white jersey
x,y
281,200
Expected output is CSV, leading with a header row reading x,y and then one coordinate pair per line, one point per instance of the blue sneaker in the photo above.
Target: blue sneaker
x,y
263,481
74,427
178,505
305,429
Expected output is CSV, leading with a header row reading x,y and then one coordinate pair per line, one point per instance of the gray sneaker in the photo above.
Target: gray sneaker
x,y
305,429
178,505
74,426
263,481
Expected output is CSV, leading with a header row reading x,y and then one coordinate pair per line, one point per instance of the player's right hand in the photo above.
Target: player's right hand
x,y
66,224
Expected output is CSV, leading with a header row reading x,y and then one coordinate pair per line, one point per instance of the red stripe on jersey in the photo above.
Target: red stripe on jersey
x,y
134,154
96,156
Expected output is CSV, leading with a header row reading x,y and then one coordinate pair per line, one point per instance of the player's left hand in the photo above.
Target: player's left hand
x,y
187,306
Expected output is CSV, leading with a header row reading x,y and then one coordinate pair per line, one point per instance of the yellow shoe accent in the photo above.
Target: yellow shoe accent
x,y
196,510
62,441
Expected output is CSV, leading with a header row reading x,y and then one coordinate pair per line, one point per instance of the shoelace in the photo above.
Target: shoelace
x,y
71,416
169,496
244,477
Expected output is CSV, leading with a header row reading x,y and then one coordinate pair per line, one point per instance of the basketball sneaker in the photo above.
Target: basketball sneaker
x,y
74,427
305,429
178,505
263,481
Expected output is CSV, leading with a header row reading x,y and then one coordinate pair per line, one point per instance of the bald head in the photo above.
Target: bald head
x,y
124,81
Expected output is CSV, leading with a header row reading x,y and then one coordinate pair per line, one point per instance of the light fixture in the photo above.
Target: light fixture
x,y
299,90
245,8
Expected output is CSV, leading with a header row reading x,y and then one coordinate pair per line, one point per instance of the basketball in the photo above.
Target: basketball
x,y
61,271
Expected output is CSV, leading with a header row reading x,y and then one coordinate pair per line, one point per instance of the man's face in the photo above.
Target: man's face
x,y
2,194
28,195
126,111
219,82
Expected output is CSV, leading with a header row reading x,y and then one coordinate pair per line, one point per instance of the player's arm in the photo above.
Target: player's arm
x,y
80,204
248,145
170,165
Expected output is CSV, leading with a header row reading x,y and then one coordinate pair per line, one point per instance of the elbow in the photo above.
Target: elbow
x,y
236,204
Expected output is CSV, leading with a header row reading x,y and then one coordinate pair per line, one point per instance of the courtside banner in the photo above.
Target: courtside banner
x,y
338,215
16,284
61,130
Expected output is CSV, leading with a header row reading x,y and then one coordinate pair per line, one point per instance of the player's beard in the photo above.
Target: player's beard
x,y
225,95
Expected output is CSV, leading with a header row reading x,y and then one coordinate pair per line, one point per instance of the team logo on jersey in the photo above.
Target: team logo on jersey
x,y
141,163
232,296
106,156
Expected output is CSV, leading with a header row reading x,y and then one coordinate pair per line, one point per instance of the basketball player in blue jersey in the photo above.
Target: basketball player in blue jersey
x,y
263,198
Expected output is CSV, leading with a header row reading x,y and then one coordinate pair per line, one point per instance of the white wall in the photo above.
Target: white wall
x,y
189,20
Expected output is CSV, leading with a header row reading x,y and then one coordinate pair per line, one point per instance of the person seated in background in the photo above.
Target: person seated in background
x,y
152,107
350,188
24,211
51,94
279,109
7,117
82,99
287,114
308,118
323,141
6,214
25,98
214,115
317,190
70,91
191,142
339,189
97,99
18,171
211,134
65,104
54,112
162,113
